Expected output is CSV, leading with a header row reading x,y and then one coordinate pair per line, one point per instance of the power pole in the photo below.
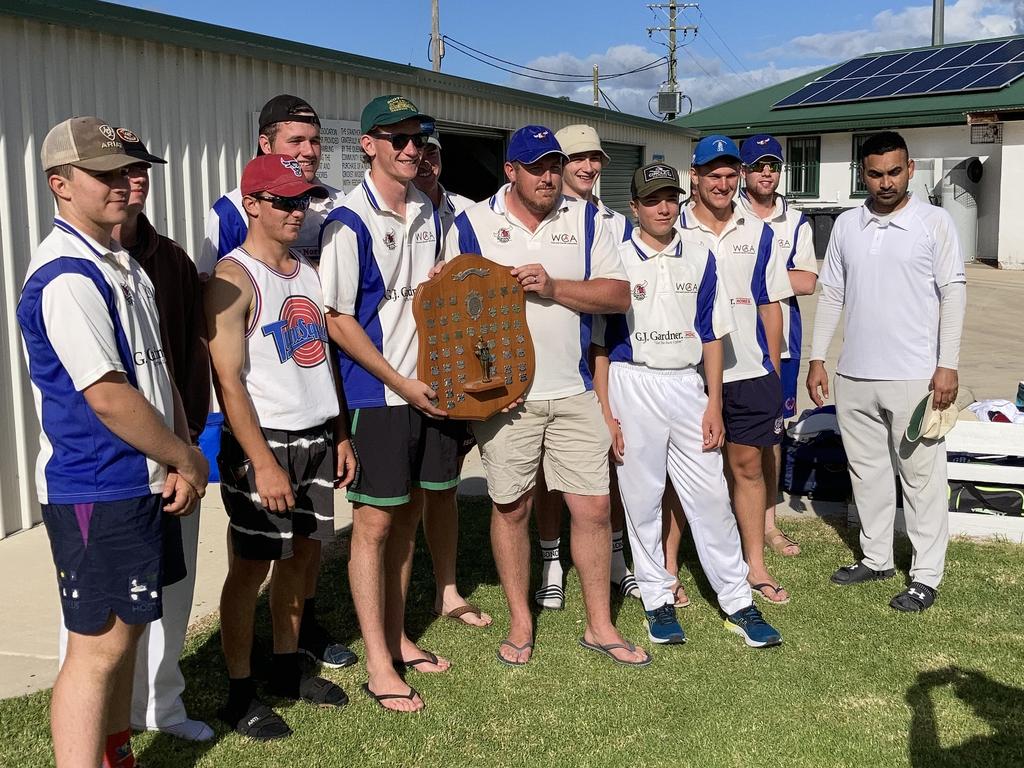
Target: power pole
x,y
436,51
672,28
597,89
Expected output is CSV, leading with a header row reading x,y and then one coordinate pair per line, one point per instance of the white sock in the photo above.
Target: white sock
x,y
551,570
619,570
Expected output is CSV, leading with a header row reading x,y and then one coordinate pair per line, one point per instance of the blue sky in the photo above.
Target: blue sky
x,y
741,45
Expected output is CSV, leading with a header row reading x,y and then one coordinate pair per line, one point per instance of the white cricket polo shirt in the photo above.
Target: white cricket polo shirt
x,y
619,226
451,206
571,244
677,305
86,311
227,227
371,263
753,275
795,243
890,275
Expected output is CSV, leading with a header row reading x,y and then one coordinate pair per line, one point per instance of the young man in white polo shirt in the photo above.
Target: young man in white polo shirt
x,y
566,261
794,241
663,416
756,281
895,267
582,170
112,425
377,247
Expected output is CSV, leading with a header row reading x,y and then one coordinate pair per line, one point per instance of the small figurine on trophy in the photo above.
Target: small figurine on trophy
x,y
483,351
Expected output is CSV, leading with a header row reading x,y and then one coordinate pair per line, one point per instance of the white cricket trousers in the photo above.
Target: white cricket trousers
x,y
660,412
873,416
158,684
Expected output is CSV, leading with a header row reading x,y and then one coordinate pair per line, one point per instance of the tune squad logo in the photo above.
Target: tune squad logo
x,y
300,334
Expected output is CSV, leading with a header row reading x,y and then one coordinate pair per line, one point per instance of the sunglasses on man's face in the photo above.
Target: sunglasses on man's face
x,y
773,166
400,140
286,204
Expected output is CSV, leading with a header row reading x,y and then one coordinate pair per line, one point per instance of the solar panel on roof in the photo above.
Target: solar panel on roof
x,y
983,66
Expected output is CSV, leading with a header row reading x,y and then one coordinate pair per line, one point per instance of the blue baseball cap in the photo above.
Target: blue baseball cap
x,y
713,147
761,145
531,142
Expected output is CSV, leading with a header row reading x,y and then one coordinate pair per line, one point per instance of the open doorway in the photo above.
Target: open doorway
x,y
472,161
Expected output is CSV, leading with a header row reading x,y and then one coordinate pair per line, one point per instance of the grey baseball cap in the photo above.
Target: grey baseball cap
x,y
84,142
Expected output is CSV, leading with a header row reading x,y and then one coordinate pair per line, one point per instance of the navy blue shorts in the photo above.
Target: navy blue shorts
x,y
752,410
790,372
110,558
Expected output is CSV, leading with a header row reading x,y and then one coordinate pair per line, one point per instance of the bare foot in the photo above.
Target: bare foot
x,y
779,543
611,636
517,648
767,587
461,610
682,600
387,683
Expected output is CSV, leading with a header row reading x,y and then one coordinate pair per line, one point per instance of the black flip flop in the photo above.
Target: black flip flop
x,y
259,723
404,666
380,698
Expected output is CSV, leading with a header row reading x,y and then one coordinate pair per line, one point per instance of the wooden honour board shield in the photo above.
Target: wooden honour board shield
x,y
475,348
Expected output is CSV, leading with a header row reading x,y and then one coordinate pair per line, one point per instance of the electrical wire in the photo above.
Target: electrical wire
x,y
564,77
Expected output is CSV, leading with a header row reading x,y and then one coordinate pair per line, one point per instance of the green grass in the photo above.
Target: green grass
x,y
855,684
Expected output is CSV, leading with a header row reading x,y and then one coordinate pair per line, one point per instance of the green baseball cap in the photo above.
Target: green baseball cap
x,y
388,110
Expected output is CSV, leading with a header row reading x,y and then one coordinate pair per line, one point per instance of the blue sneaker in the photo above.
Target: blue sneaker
x,y
663,627
750,624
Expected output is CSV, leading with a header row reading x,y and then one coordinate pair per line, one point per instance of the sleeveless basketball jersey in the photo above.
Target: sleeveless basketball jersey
x,y
286,370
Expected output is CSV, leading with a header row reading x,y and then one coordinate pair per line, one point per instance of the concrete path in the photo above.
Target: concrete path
x,y
992,361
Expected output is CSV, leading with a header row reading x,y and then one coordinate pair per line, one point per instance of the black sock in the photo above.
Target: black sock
x,y
308,616
285,674
241,691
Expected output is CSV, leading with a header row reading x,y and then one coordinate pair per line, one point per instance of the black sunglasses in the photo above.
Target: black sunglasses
x,y
400,140
775,166
286,204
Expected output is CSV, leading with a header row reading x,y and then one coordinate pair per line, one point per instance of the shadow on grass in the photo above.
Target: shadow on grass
x,y
1000,706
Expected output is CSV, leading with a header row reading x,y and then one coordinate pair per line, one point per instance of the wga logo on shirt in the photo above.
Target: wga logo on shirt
x,y
744,248
426,236
686,287
300,334
563,238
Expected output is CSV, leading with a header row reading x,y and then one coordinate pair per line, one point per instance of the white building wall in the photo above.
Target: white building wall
x,y
193,107
1011,208
835,185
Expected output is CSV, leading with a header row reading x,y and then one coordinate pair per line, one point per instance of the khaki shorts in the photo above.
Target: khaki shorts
x,y
570,434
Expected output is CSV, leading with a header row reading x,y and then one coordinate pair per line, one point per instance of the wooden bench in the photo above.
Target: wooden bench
x,y
980,437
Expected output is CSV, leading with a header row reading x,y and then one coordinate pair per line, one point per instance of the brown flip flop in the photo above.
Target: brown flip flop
x,y
456,614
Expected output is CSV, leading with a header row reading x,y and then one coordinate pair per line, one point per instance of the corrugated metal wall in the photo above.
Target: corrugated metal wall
x,y
194,108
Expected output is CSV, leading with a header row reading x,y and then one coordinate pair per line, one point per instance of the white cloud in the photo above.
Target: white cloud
x,y
707,81
908,28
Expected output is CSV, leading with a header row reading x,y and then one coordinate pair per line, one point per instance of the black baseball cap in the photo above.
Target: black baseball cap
x,y
134,146
285,108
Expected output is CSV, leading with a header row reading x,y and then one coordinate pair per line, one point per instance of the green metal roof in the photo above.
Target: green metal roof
x,y
753,113
121,21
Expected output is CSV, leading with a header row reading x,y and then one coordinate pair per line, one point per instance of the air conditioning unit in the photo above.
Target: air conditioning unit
x,y
670,101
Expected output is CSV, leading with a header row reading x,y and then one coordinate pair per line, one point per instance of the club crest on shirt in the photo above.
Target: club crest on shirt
x,y
778,426
300,334
503,235
390,241
640,291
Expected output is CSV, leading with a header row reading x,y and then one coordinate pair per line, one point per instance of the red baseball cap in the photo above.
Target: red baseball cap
x,y
279,175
